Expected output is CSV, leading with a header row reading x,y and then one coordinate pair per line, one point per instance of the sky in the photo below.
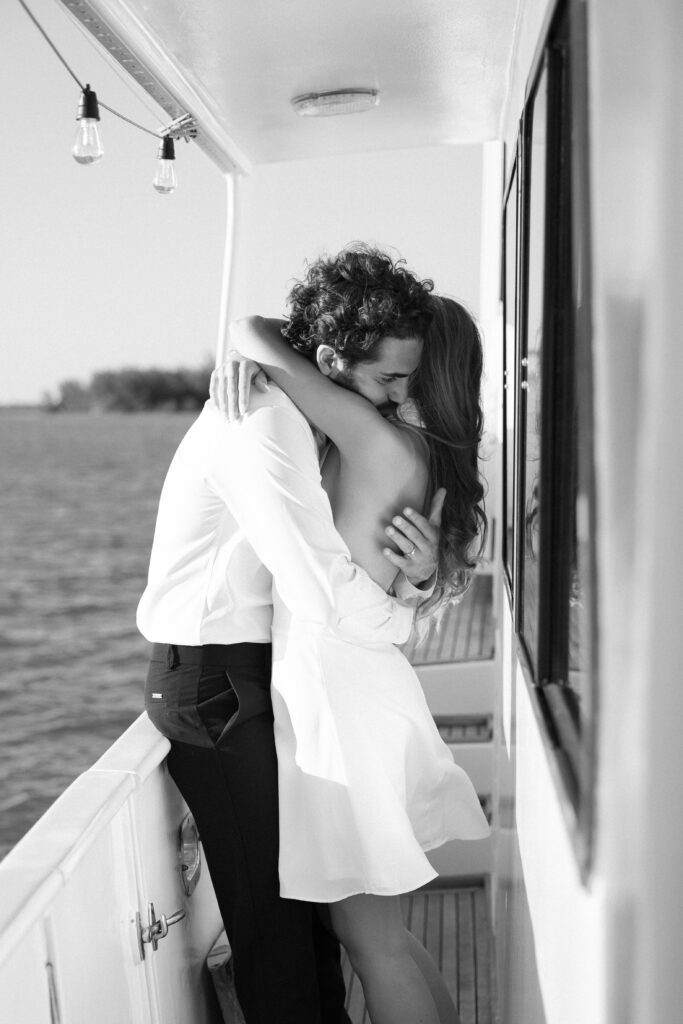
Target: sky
x,y
97,269
100,272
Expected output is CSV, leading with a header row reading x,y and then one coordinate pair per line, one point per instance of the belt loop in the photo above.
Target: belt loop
x,y
172,656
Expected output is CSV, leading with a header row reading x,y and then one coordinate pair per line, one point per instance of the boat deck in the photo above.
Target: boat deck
x,y
453,924
466,631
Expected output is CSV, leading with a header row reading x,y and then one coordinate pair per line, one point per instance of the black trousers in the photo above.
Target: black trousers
x,y
213,703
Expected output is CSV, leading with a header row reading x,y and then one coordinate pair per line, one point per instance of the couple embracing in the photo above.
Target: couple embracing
x,y
300,736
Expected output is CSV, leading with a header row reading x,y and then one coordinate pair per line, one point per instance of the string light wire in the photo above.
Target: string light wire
x,y
157,135
128,120
113,65
52,45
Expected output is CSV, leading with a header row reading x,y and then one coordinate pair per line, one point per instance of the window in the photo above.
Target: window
x,y
509,282
530,375
548,464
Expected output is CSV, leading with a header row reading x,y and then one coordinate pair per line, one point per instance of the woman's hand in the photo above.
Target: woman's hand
x,y
418,538
231,383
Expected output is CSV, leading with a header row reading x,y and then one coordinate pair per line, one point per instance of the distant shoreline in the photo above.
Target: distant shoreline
x,y
16,408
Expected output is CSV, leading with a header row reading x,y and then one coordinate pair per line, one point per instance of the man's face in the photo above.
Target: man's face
x,y
384,380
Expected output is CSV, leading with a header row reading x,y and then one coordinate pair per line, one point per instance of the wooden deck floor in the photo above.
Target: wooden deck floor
x,y
466,631
453,924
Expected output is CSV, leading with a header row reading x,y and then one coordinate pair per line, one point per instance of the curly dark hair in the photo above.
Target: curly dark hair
x,y
353,300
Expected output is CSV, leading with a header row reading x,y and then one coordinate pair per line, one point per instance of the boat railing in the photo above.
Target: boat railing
x,y
78,894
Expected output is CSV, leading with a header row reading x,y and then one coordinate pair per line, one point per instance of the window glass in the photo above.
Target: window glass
x,y
530,376
581,596
550,551
578,692
509,385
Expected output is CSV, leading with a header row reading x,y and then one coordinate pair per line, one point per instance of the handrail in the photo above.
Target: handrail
x,y
42,862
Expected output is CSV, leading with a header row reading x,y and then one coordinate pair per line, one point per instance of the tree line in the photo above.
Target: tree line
x,y
133,390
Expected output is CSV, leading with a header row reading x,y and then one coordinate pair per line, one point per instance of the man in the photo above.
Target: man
x,y
242,506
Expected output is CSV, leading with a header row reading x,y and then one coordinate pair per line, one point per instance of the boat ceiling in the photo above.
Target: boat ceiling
x,y
441,67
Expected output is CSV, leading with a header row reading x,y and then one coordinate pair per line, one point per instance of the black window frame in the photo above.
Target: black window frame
x,y
511,203
568,719
533,644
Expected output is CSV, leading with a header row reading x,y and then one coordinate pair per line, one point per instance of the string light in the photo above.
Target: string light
x,y
88,148
164,180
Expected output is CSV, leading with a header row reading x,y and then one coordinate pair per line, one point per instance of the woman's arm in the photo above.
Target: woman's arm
x,y
344,416
389,469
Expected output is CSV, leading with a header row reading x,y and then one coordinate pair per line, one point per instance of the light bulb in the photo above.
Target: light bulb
x,y
165,180
87,147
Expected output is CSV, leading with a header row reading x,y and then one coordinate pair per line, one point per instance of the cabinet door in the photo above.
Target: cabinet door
x,y
178,985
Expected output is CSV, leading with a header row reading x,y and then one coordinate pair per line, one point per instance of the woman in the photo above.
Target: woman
x,y
366,785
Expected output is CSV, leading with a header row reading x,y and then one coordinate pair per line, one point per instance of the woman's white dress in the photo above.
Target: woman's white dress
x,y
366,784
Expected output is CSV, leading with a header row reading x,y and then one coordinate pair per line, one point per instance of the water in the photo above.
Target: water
x,y
78,498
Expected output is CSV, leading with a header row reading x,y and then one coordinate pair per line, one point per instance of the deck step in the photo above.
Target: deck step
x,y
466,631
453,924
456,729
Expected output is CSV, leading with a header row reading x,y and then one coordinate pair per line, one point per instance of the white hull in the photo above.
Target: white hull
x,y
71,890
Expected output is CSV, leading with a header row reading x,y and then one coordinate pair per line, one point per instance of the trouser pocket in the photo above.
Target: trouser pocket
x,y
171,699
217,702
203,704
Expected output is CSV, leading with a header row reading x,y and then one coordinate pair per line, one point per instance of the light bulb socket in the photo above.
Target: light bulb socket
x,y
88,106
166,149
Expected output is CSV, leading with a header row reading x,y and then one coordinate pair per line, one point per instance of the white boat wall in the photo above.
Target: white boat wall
x,y
588,892
76,892
583,769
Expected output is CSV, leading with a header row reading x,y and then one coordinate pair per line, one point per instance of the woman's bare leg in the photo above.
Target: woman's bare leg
x,y
395,988
437,986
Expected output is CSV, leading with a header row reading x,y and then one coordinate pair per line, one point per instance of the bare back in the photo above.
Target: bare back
x,y
366,486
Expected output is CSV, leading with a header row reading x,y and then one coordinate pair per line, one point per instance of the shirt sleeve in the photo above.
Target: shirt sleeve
x,y
266,470
411,594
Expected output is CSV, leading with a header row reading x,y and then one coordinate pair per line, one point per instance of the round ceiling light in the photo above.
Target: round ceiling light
x,y
339,101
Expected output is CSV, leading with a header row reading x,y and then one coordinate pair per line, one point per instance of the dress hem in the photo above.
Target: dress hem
x,y
393,891
360,892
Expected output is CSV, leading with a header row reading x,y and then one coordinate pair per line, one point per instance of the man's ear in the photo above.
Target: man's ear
x,y
325,357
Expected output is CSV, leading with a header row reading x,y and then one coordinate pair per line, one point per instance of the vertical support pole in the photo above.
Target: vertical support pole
x,y
490,312
232,182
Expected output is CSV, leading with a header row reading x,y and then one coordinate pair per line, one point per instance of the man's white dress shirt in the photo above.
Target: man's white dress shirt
x,y
242,504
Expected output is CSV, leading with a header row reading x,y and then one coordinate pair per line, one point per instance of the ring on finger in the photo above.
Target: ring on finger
x,y
409,554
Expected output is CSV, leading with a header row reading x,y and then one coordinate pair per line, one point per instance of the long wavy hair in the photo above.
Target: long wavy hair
x,y
446,392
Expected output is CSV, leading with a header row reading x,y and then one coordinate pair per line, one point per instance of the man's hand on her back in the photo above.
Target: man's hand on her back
x,y
417,537
231,384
